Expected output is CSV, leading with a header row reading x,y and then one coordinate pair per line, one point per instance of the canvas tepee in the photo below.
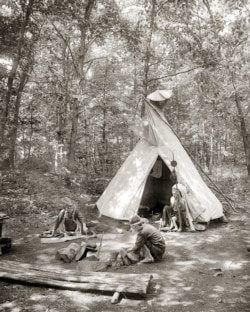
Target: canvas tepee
x,y
144,177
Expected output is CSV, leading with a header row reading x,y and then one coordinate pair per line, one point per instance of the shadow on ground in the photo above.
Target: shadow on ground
x,y
201,271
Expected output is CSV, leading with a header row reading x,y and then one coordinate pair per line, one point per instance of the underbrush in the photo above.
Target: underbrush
x,y
234,183
33,192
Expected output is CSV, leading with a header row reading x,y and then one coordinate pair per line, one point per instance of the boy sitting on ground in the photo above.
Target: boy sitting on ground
x,y
177,213
149,246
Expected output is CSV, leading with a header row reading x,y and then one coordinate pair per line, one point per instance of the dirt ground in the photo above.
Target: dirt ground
x,y
201,272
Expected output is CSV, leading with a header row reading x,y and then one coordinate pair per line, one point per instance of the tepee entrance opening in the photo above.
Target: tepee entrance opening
x,y
158,188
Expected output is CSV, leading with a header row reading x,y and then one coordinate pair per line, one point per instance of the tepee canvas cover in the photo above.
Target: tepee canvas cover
x,y
123,196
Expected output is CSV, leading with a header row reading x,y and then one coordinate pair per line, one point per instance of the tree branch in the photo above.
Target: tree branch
x,y
161,61
182,72
67,44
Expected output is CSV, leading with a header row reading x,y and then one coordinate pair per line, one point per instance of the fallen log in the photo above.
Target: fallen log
x,y
61,273
127,284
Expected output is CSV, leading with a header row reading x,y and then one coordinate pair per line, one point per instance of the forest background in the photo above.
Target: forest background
x,y
74,76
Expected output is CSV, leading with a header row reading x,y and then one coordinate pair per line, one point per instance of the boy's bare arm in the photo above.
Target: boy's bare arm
x,y
82,222
190,219
58,220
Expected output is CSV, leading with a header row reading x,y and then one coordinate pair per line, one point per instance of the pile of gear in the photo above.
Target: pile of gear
x,y
5,242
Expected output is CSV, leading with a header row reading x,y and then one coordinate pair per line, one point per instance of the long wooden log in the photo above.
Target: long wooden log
x,y
137,286
76,276
91,287
96,281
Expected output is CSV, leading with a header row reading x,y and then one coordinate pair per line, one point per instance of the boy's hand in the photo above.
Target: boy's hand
x,y
84,229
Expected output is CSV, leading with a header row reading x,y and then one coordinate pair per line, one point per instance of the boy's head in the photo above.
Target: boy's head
x,y
136,223
69,204
176,192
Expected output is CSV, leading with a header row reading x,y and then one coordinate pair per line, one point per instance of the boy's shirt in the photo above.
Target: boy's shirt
x,y
150,233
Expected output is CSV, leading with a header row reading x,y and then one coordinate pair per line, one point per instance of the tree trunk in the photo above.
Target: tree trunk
x,y
31,134
104,141
13,135
83,26
244,133
211,160
148,55
104,125
73,134
13,71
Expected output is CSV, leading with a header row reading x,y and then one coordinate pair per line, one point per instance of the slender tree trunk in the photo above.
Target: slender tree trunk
x,y
63,100
244,133
212,143
243,127
207,5
31,134
12,75
60,131
211,160
148,55
73,134
13,135
83,26
14,130
104,140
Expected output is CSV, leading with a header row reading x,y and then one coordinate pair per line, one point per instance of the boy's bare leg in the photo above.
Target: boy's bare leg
x,y
180,220
174,226
190,220
166,216
171,224
147,255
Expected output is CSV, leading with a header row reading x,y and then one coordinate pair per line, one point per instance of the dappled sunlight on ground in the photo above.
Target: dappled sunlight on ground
x,y
202,271
171,295
84,301
194,259
230,265
45,301
113,242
